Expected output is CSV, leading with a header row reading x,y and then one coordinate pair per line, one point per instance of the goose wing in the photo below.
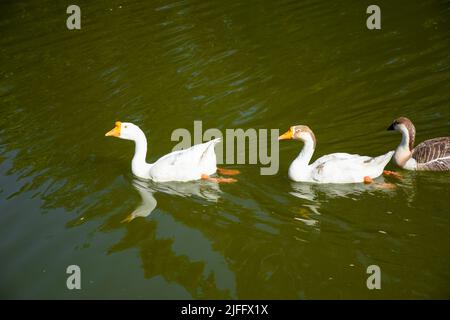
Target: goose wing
x,y
338,169
345,168
433,154
186,164
334,157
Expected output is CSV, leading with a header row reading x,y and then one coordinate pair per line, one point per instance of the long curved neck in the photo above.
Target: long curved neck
x,y
404,144
306,153
403,151
138,164
298,170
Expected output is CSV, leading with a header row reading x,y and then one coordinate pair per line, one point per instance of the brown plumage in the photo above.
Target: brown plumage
x,y
296,130
430,155
433,154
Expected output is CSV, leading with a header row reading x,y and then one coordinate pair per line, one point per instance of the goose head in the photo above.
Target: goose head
x,y
406,127
404,150
299,132
125,130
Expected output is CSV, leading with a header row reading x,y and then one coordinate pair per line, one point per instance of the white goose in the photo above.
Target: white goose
x,y
331,168
194,163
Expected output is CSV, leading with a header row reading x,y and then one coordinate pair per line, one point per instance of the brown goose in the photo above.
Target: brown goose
x,y
430,155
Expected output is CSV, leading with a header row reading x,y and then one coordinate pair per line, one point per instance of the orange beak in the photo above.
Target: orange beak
x,y
114,132
287,135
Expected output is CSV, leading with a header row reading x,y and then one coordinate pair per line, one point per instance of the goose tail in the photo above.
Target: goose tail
x,y
384,159
215,141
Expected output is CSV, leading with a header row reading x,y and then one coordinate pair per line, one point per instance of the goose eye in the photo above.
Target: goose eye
x,y
126,127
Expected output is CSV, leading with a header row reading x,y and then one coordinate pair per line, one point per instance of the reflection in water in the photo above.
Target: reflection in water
x,y
317,194
157,254
408,184
323,192
206,190
148,201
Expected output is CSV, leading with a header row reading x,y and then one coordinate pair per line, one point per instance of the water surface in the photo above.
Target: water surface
x,y
65,189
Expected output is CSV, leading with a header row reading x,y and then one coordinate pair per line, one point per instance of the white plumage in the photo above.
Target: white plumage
x,y
186,165
346,168
182,165
331,168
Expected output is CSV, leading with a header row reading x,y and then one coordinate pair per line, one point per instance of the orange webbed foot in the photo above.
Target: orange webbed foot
x,y
218,180
228,172
392,174
368,180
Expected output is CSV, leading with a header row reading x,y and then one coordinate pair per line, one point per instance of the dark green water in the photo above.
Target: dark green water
x,y
65,188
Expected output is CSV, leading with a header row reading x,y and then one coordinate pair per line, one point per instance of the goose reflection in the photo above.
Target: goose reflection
x,y
148,201
313,192
317,194
205,190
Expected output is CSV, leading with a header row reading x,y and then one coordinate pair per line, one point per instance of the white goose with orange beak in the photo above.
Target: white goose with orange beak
x,y
194,163
331,168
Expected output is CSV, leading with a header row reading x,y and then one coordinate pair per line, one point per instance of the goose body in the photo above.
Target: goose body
x,y
182,165
186,165
331,168
430,155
